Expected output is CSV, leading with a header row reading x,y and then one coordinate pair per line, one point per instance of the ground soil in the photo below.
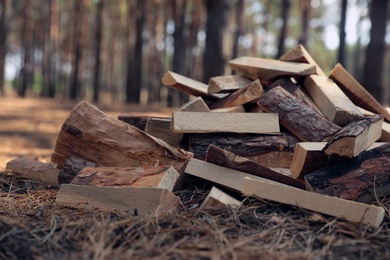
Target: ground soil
x,y
33,227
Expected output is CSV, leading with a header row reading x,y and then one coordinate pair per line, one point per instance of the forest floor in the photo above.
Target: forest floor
x,y
33,227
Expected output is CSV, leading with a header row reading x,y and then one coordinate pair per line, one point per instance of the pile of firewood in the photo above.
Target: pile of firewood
x,y
280,130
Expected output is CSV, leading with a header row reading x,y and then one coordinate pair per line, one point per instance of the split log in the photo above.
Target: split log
x,y
331,100
300,119
138,201
237,109
35,170
267,150
300,54
356,137
164,177
246,94
340,208
217,198
161,128
364,178
356,92
136,121
266,69
385,136
200,122
196,105
233,161
72,167
227,84
92,135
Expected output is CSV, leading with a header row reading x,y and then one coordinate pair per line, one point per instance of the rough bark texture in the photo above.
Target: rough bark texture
x,y
71,168
303,121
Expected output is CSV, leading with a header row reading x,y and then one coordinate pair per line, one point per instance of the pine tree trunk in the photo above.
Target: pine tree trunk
x,y
4,17
283,31
305,17
98,40
341,53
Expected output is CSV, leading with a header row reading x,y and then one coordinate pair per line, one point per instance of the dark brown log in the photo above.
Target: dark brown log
x,y
364,178
72,167
269,150
137,121
300,119
233,161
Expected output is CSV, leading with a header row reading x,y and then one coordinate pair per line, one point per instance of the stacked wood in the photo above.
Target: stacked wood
x,y
217,198
227,84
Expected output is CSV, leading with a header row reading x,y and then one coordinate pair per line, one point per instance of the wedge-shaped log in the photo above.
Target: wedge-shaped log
x,y
363,178
196,105
227,84
267,150
340,208
35,170
385,137
163,176
92,135
302,120
266,69
161,128
300,54
331,100
138,201
200,122
217,198
356,92
355,137
228,159
252,91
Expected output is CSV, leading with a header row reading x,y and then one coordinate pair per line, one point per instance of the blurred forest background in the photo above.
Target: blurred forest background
x,y
118,50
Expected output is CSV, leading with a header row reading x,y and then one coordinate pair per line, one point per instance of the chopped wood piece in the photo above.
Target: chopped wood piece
x,y
356,137
300,119
217,198
252,91
267,69
340,208
161,128
267,150
309,157
364,178
227,84
163,176
356,92
92,135
72,167
331,100
196,105
237,109
137,121
385,137
187,85
228,159
201,122
35,170
300,54
138,201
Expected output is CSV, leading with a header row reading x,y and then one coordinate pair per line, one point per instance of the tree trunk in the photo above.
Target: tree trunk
x,y
305,6
375,52
283,31
213,60
240,20
4,17
341,53
98,40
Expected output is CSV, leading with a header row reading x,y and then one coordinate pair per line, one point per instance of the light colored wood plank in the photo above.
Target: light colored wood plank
x,y
340,208
300,54
35,170
267,69
385,136
196,105
331,100
237,109
161,128
217,198
356,92
227,84
136,200
197,122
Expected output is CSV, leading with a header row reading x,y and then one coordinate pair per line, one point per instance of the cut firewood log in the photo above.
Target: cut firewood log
x,y
246,94
92,135
266,69
138,201
309,157
355,137
196,105
364,178
201,122
356,92
161,128
237,109
72,167
188,85
300,54
331,100
227,84
35,170
136,121
340,208
267,150
217,198
163,176
300,119
230,160
385,136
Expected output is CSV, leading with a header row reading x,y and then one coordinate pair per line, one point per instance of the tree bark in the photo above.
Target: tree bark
x,y
240,23
4,17
341,53
283,31
98,40
305,6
